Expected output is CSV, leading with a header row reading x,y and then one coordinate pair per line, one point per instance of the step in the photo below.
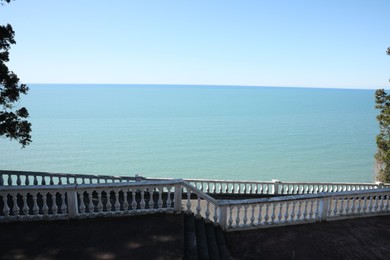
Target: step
x,y
201,239
190,244
212,241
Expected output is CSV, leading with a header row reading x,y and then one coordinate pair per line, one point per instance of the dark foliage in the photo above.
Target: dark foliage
x,y
13,123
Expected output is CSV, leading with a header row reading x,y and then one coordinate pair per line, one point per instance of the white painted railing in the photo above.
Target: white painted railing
x,y
18,178
276,187
299,209
89,200
18,203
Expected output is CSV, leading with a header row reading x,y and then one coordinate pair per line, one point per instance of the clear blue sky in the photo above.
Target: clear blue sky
x,y
328,43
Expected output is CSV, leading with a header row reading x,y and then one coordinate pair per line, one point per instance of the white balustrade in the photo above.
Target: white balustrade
x,y
18,178
307,208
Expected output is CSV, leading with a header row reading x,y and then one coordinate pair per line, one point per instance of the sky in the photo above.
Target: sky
x,y
328,43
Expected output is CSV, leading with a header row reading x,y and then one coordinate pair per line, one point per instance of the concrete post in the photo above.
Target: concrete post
x,y
177,198
276,187
222,220
324,206
72,204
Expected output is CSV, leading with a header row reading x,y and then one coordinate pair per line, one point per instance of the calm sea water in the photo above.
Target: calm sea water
x,y
252,133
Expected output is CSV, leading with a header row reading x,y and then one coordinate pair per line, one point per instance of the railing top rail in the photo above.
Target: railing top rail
x,y
199,192
30,173
89,186
302,196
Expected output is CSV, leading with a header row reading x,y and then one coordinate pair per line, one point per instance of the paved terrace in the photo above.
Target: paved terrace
x,y
161,237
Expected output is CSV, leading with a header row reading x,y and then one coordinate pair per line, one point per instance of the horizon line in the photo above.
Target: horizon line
x,y
214,85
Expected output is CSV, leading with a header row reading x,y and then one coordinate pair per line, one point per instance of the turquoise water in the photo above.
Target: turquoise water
x,y
253,133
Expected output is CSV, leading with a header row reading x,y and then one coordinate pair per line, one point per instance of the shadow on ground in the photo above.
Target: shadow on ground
x,y
364,238
134,237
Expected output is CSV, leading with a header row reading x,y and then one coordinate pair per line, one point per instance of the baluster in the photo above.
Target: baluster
x,y
244,189
259,216
317,212
100,203
375,207
51,180
35,208
160,201
6,209
207,187
25,206
27,181
1,180
352,209
364,208
381,204
387,202
198,208
59,180
45,208
35,181
292,215
169,200
256,189
286,211
133,202
370,205
358,205
215,214
230,216
63,205
9,180
253,215
299,210
238,216
245,214
43,180
266,216
341,206
273,213
335,208
311,212
67,180
15,209
82,204
125,202
18,181
54,207
117,205
261,189
347,206
108,202
266,189
151,201
330,206
207,210
280,211
305,210
188,201
142,204
91,206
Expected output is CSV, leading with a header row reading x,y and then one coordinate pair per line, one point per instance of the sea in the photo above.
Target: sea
x,y
202,132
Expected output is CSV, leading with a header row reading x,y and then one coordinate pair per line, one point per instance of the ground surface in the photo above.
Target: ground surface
x,y
364,238
134,237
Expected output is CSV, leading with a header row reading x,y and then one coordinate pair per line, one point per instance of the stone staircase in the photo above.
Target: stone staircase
x,y
203,240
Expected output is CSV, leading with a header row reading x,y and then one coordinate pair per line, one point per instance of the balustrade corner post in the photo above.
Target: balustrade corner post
x,y
276,186
222,220
177,198
324,205
72,203
380,184
138,178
